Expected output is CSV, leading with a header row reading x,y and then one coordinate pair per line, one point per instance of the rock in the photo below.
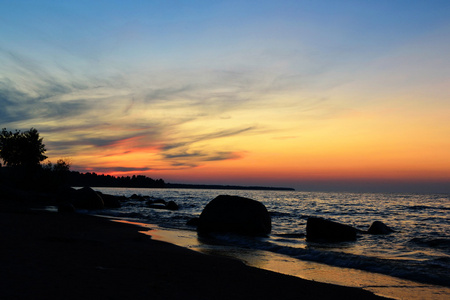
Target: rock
x,y
152,201
157,200
87,198
138,197
171,205
157,205
378,227
111,201
236,215
322,230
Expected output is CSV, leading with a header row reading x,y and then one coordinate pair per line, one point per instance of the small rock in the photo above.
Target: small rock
x,y
171,205
378,227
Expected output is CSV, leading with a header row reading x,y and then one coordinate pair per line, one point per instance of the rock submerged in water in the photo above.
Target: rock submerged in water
x,y
322,230
161,204
235,214
378,227
171,205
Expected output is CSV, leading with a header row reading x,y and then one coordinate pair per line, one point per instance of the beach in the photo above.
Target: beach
x,y
50,255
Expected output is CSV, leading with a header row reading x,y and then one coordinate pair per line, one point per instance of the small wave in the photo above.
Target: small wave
x,y
412,270
291,235
279,214
439,243
422,207
407,269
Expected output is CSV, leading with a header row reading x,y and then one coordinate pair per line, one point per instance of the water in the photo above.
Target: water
x,y
418,250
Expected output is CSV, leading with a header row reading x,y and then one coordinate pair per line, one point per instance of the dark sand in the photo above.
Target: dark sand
x,y
48,255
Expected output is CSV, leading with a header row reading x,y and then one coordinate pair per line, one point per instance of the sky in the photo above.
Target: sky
x,y
314,95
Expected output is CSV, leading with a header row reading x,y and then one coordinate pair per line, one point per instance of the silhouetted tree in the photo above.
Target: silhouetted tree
x,y
93,179
62,165
21,148
52,176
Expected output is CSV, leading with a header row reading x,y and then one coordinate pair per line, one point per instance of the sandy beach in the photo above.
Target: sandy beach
x,y
49,255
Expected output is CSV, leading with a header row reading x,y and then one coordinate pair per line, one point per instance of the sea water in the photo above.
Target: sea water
x,y
418,250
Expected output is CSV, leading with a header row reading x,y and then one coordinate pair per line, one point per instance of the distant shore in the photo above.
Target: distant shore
x,y
75,178
225,187
49,255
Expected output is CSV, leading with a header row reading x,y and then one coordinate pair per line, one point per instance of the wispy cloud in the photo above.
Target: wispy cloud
x,y
118,169
193,152
89,116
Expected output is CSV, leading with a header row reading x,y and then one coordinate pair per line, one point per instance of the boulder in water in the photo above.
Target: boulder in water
x,y
111,201
322,230
171,205
378,227
235,214
87,198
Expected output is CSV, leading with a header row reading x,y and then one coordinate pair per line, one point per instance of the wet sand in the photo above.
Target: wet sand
x,y
383,285
48,255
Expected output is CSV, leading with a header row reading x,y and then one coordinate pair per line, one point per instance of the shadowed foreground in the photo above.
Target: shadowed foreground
x,y
47,255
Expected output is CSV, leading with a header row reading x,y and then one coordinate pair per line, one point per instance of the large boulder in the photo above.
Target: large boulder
x,y
378,227
322,230
87,198
236,215
111,201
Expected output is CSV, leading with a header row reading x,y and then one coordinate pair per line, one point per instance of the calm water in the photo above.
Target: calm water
x,y
419,250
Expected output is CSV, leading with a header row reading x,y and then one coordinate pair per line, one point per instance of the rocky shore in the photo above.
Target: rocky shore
x,y
50,255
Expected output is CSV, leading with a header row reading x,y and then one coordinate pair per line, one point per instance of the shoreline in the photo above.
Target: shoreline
x,y
379,284
49,255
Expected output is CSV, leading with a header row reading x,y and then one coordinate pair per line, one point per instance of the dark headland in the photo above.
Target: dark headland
x,y
50,255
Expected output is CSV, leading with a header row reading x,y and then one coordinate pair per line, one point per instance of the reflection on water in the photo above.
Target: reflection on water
x,y
379,284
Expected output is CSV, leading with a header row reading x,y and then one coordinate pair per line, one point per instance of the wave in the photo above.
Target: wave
x,y
436,272
439,243
426,207
291,235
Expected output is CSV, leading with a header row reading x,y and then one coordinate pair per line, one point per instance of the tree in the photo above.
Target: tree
x,y
21,148
62,165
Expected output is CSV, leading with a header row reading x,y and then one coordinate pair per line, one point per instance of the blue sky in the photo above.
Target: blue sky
x,y
188,87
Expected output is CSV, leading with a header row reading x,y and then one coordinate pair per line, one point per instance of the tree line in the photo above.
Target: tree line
x,y
23,152
93,179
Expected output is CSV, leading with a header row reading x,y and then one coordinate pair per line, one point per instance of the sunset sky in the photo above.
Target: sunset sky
x,y
315,95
